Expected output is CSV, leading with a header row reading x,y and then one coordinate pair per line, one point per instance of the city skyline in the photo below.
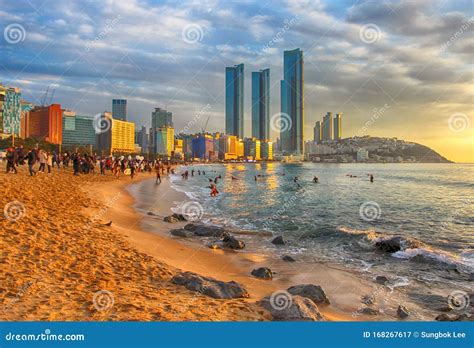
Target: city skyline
x,y
419,67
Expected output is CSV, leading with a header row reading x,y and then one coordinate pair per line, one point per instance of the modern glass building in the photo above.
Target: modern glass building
x,y
292,103
327,126
164,141
78,130
141,138
202,146
338,127
10,110
119,109
234,100
161,118
261,104
317,132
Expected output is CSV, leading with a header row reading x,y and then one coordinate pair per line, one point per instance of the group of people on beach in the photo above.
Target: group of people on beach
x,y
82,163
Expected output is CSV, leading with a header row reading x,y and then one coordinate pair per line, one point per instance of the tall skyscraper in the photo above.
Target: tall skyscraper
x,y
161,118
292,103
261,104
119,109
338,126
317,132
234,100
141,138
327,126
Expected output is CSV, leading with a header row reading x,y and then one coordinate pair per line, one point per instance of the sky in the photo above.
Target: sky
x,y
393,68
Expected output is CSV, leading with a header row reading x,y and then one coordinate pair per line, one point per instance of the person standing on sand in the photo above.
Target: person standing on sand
x,y
158,176
49,162
42,159
31,159
76,163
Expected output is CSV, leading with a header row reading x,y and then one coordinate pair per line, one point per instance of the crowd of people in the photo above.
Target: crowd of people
x,y
40,161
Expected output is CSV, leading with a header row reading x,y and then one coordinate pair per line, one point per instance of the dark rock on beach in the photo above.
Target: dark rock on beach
x,y
458,317
179,217
381,280
207,231
180,232
311,291
295,309
402,312
170,219
233,243
394,244
263,273
431,301
288,258
278,241
209,286
369,311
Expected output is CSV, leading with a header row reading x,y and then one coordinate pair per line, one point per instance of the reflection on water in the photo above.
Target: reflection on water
x,y
429,203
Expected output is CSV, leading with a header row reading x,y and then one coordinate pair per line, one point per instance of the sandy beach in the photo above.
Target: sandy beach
x,y
61,261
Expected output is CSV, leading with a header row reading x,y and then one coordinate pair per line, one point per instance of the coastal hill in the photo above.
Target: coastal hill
x,y
375,149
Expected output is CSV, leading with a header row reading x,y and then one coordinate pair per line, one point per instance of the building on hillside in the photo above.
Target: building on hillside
x,y
337,126
362,155
46,123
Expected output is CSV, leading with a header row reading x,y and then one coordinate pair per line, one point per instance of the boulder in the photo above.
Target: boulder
x,y
457,317
431,301
263,273
233,243
179,217
402,312
190,227
209,286
278,241
297,308
311,291
369,311
208,231
288,258
180,232
381,280
170,219
394,244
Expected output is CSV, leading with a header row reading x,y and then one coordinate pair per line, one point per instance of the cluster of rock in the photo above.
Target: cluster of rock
x,y
300,303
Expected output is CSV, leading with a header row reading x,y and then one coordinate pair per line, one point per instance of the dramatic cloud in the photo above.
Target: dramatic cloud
x,y
415,56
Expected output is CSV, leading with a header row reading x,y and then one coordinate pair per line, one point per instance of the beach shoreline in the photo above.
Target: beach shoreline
x,y
63,251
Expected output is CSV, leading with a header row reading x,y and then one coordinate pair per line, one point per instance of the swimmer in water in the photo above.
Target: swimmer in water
x,y
315,179
371,178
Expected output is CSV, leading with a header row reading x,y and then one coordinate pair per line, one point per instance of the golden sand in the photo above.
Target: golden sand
x,y
59,260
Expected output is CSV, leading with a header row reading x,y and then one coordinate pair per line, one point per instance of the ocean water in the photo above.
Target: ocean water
x,y
341,218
